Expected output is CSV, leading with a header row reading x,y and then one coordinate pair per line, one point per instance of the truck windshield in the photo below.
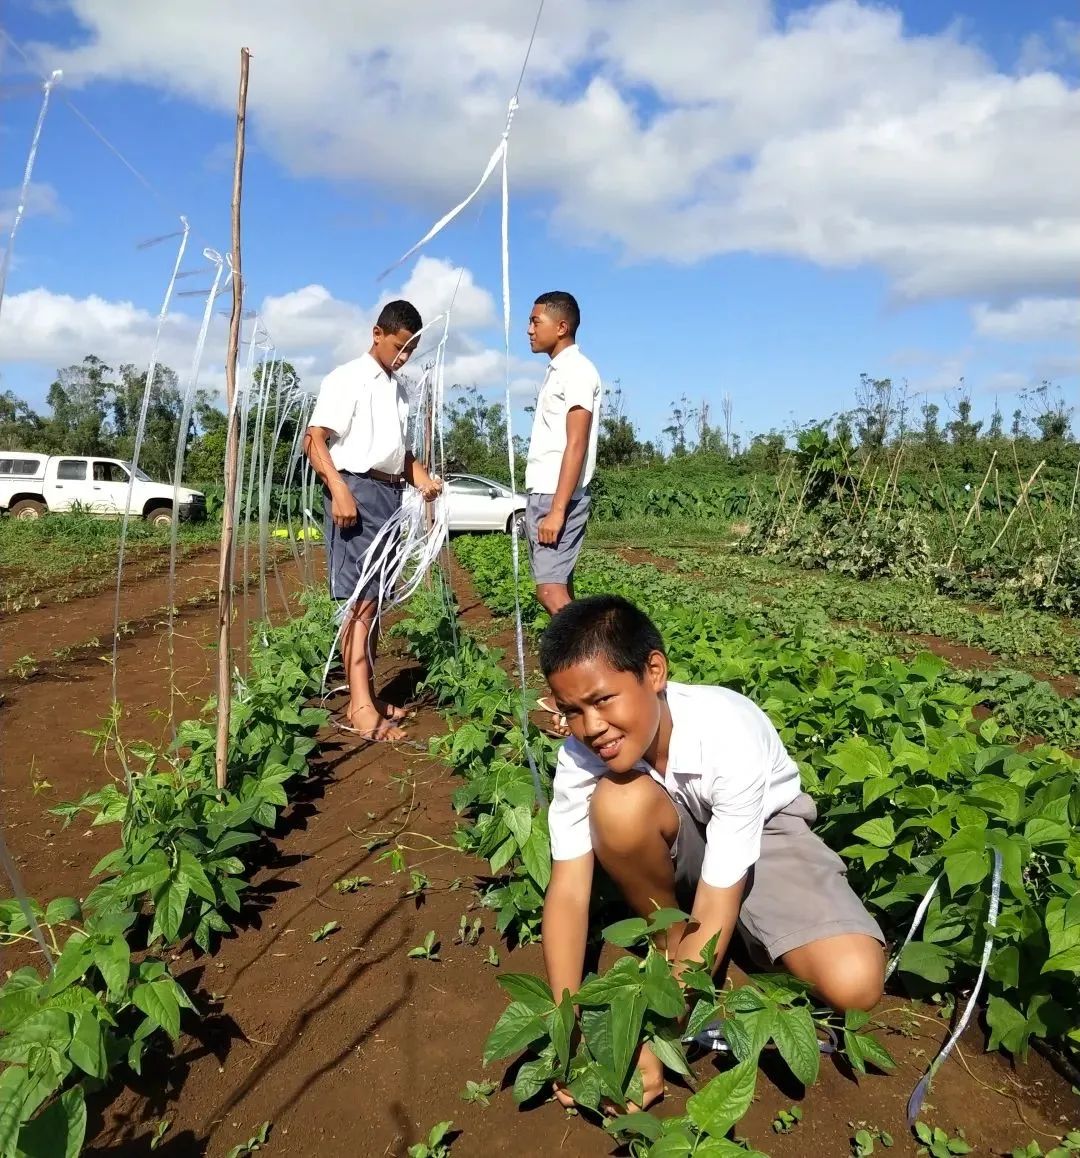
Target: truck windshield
x,y
140,474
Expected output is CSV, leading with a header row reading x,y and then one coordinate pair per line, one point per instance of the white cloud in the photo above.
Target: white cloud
x,y
830,133
42,200
1029,320
308,326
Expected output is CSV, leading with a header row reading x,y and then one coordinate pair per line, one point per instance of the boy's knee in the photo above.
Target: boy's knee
x,y
855,980
626,817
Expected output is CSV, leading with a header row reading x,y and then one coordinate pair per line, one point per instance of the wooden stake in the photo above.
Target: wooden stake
x,y
1019,503
946,500
232,446
1068,520
976,502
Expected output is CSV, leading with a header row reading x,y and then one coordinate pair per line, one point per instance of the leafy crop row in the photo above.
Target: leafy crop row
x,y
177,876
908,785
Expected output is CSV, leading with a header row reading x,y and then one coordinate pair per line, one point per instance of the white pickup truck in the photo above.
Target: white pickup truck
x,y
33,484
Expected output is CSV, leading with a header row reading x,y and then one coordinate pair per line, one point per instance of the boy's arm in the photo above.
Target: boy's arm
x,y
578,421
565,924
343,505
416,474
715,911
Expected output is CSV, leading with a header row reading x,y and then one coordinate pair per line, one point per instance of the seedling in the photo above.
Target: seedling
x,y
865,1139
324,932
492,956
351,884
1068,1147
786,1120
160,1130
429,950
468,934
394,855
419,884
937,1144
478,1093
437,1145
256,1142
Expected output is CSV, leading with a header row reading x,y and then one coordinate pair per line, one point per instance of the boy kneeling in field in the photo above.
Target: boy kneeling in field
x,y
687,798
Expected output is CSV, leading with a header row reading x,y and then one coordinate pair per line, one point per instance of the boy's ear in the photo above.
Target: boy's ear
x,y
376,333
656,671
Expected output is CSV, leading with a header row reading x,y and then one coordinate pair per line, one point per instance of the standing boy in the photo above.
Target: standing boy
x,y
356,444
686,796
562,451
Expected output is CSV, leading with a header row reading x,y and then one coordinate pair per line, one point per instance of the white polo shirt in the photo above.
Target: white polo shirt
x,y
368,411
571,380
726,765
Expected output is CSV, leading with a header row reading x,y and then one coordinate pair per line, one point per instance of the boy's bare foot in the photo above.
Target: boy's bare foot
x,y
391,712
369,723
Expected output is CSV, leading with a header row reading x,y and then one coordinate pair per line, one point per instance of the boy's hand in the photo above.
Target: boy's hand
x,y
550,528
566,1099
343,508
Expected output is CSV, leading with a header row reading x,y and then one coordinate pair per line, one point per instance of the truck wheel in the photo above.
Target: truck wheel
x,y
160,517
28,509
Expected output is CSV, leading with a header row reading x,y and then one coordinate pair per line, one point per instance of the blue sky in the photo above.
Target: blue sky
x,y
764,200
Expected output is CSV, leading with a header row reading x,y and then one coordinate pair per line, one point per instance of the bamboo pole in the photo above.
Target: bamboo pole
x,y
232,446
945,499
1068,520
1019,502
976,502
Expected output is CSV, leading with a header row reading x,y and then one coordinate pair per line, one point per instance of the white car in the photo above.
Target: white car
x,y
475,503
33,484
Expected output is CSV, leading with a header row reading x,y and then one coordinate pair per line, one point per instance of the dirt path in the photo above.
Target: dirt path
x,y
47,753
350,1048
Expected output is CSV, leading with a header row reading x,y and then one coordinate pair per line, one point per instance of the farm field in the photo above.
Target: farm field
x,y
348,999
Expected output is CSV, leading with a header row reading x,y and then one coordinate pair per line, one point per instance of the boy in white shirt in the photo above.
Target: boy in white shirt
x,y
687,798
356,443
562,450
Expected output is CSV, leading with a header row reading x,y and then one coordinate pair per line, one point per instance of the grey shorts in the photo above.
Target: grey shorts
x,y
555,564
346,549
797,892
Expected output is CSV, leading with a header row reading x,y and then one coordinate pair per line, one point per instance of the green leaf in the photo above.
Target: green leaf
x,y
796,1039
662,992
49,1028
519,821
158,1001
532,1077
113,960
966,868
194,876
925,960
76,958
668,1049
881,832
626,933
719,1105
518,1027
627,1013
528,990
13,1082
62,909
640,1125
536,854
142,878
170,902
87,1049
624,974
59,1131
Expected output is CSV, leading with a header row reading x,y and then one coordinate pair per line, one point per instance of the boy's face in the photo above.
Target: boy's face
x,y
616,714
545,330
392,351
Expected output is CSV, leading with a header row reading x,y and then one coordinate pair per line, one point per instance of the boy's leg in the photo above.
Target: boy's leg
x,y
387,710
634,825
801,912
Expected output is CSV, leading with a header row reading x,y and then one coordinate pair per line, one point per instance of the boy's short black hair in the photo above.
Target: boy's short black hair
x,y
563,305
399,315
600,625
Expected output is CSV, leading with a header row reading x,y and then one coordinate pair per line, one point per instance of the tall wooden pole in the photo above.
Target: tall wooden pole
x,y
232,446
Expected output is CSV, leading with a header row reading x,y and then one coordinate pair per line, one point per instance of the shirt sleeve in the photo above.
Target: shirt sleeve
x,y
581,387
335,405
733,835
568,815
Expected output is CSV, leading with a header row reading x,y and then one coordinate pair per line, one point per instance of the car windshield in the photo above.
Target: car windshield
x,y
140,474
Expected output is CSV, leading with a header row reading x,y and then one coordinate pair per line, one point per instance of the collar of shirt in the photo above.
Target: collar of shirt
x,y
378,374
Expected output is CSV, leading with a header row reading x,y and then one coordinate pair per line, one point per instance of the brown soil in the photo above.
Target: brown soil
x,y
347,1046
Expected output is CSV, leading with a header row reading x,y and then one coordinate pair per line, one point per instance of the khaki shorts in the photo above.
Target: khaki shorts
x,y
797,892
555,564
